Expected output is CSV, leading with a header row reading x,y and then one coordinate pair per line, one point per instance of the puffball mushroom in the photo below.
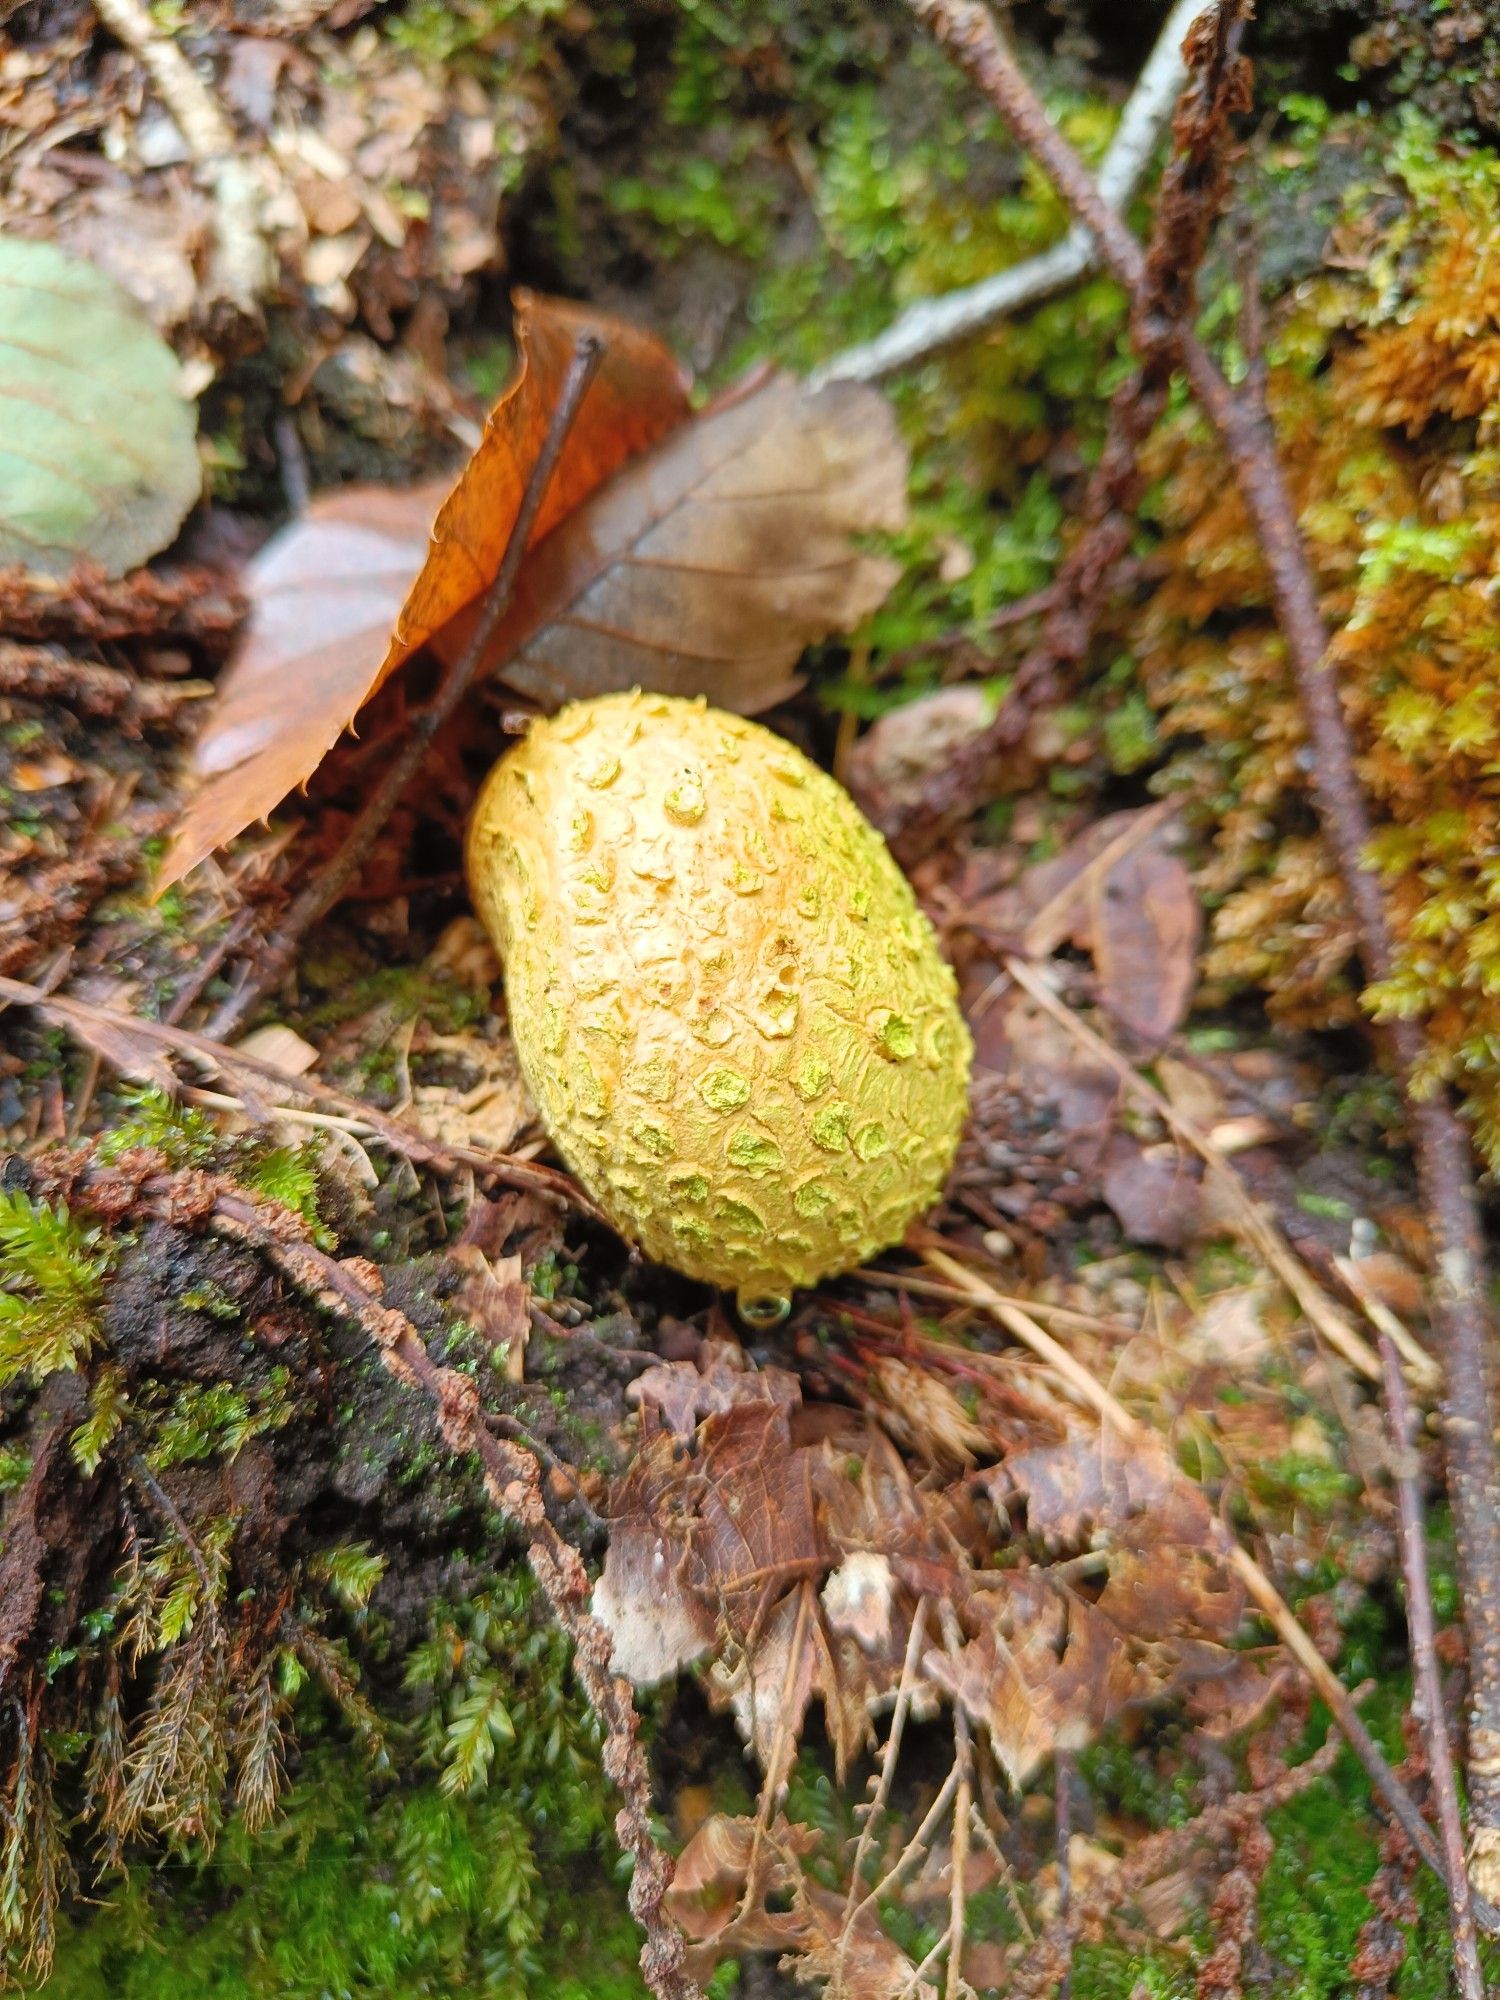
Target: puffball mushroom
x,y
734,1019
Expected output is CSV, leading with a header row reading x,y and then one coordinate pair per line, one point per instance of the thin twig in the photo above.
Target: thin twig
x,y
1062,1785
1193,189
889,1759
1428,1693
929,326
1258,1230
963,1806
918,1846
1160,1854
513,1482
1444,1165
329,884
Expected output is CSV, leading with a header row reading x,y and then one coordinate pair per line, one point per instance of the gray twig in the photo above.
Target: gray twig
x,y
930,325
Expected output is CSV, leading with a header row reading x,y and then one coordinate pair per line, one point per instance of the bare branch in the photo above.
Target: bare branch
x,y
930,325
1428,1701
513,1482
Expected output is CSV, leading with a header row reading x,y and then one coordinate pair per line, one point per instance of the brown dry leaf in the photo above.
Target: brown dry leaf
x,y
1047,1668
705,567
786,1547
494,1298
1155,1191
489,1110
1120,893
680,1394
709,565
1044,1671
709,1889
722,1537
345,595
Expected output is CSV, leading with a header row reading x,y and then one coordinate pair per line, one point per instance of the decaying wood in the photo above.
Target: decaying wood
x,y
512,1479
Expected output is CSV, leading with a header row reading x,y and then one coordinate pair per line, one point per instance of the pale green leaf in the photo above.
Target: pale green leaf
x,y
97,450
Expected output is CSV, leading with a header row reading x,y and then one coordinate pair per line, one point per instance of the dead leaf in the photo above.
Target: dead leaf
x,y
719,1534
96,438
708,1900
1045,1670
1154,1191
786,1548
1120,893
488,1109
709,565
680,1394
705,566
346,594
922,1412
494,1298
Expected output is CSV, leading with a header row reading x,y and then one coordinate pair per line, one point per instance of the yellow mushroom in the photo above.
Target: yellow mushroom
x,y
734,1018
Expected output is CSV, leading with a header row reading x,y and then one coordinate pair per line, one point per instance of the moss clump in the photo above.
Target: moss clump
x,y
52,1271
479,1877
1386,394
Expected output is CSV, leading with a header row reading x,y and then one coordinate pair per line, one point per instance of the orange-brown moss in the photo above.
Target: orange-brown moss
x,y
1385,387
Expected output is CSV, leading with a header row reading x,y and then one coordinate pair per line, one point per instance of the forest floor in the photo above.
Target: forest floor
x,y
306,1345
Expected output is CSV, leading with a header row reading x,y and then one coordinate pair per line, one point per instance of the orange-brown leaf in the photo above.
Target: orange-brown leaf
x,y
639,394
344,596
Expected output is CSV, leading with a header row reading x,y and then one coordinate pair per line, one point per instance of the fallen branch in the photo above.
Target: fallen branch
x,y
929,326
1193,189
194,604
513,1481
326,887
1444,1166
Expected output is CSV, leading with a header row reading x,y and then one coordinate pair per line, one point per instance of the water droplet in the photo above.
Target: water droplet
x,y
762,1308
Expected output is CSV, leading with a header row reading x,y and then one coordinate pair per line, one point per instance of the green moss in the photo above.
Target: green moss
x,y
52,1271
496,1878
699,198
472,34
195,1421
151,1119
